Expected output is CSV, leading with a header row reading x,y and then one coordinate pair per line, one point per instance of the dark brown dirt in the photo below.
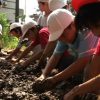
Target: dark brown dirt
x,y
16,84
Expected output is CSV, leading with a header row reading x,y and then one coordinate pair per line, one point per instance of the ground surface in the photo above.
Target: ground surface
x,y
16,84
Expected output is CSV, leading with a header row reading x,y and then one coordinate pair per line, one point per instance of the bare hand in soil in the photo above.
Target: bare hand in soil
x,y
44,85
41,78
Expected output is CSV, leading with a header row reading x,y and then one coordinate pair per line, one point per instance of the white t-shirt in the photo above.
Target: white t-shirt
x,y
42,21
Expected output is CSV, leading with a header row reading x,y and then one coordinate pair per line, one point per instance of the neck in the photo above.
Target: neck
x,y
47,13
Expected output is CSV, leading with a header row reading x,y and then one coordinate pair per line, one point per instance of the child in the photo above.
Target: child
x,y
42,21
67,37
88,17
44,8
64,53
53,5
85,39
16,30
37,36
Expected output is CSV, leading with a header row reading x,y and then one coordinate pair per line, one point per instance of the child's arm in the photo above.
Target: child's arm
x,y
90,86
32,58
13,53
25,52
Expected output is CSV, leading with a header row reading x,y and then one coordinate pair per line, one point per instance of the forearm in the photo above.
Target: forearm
x,y
92,85
23,55
47,70
49,48
52,63
25,52
47,51
13,53
33,58
73,69
44,56
37,55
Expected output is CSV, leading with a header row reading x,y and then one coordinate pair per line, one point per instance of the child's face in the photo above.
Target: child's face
x,y
69,33
13,33
42,6
31,35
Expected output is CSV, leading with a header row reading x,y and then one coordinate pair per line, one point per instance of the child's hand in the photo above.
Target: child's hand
x,y
41,78
41,85
2,58
24,63
50,83
14,59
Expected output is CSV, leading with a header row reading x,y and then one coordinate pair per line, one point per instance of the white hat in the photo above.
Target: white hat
x,y
43,0
15,25
28,25
56,4
0,29
57,21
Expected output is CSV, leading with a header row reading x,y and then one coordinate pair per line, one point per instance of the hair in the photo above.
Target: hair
x,y
65,7
39,27
88,16
43,3
31,29
17,30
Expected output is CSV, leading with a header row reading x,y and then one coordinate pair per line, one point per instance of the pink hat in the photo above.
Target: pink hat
x,y
28,25
56,4
79,3
15,25
43,0
57,21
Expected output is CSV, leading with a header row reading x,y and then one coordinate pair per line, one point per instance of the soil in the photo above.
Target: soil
x,y
16,83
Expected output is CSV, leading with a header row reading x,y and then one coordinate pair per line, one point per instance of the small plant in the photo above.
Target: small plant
x,y
7,40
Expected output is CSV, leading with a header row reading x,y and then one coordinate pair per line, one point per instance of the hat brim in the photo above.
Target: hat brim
x,y
55,35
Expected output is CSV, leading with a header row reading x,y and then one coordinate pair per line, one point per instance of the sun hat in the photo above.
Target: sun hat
x,y
79,3
56,4
0,29
15,25
57,21
43,0
26,26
